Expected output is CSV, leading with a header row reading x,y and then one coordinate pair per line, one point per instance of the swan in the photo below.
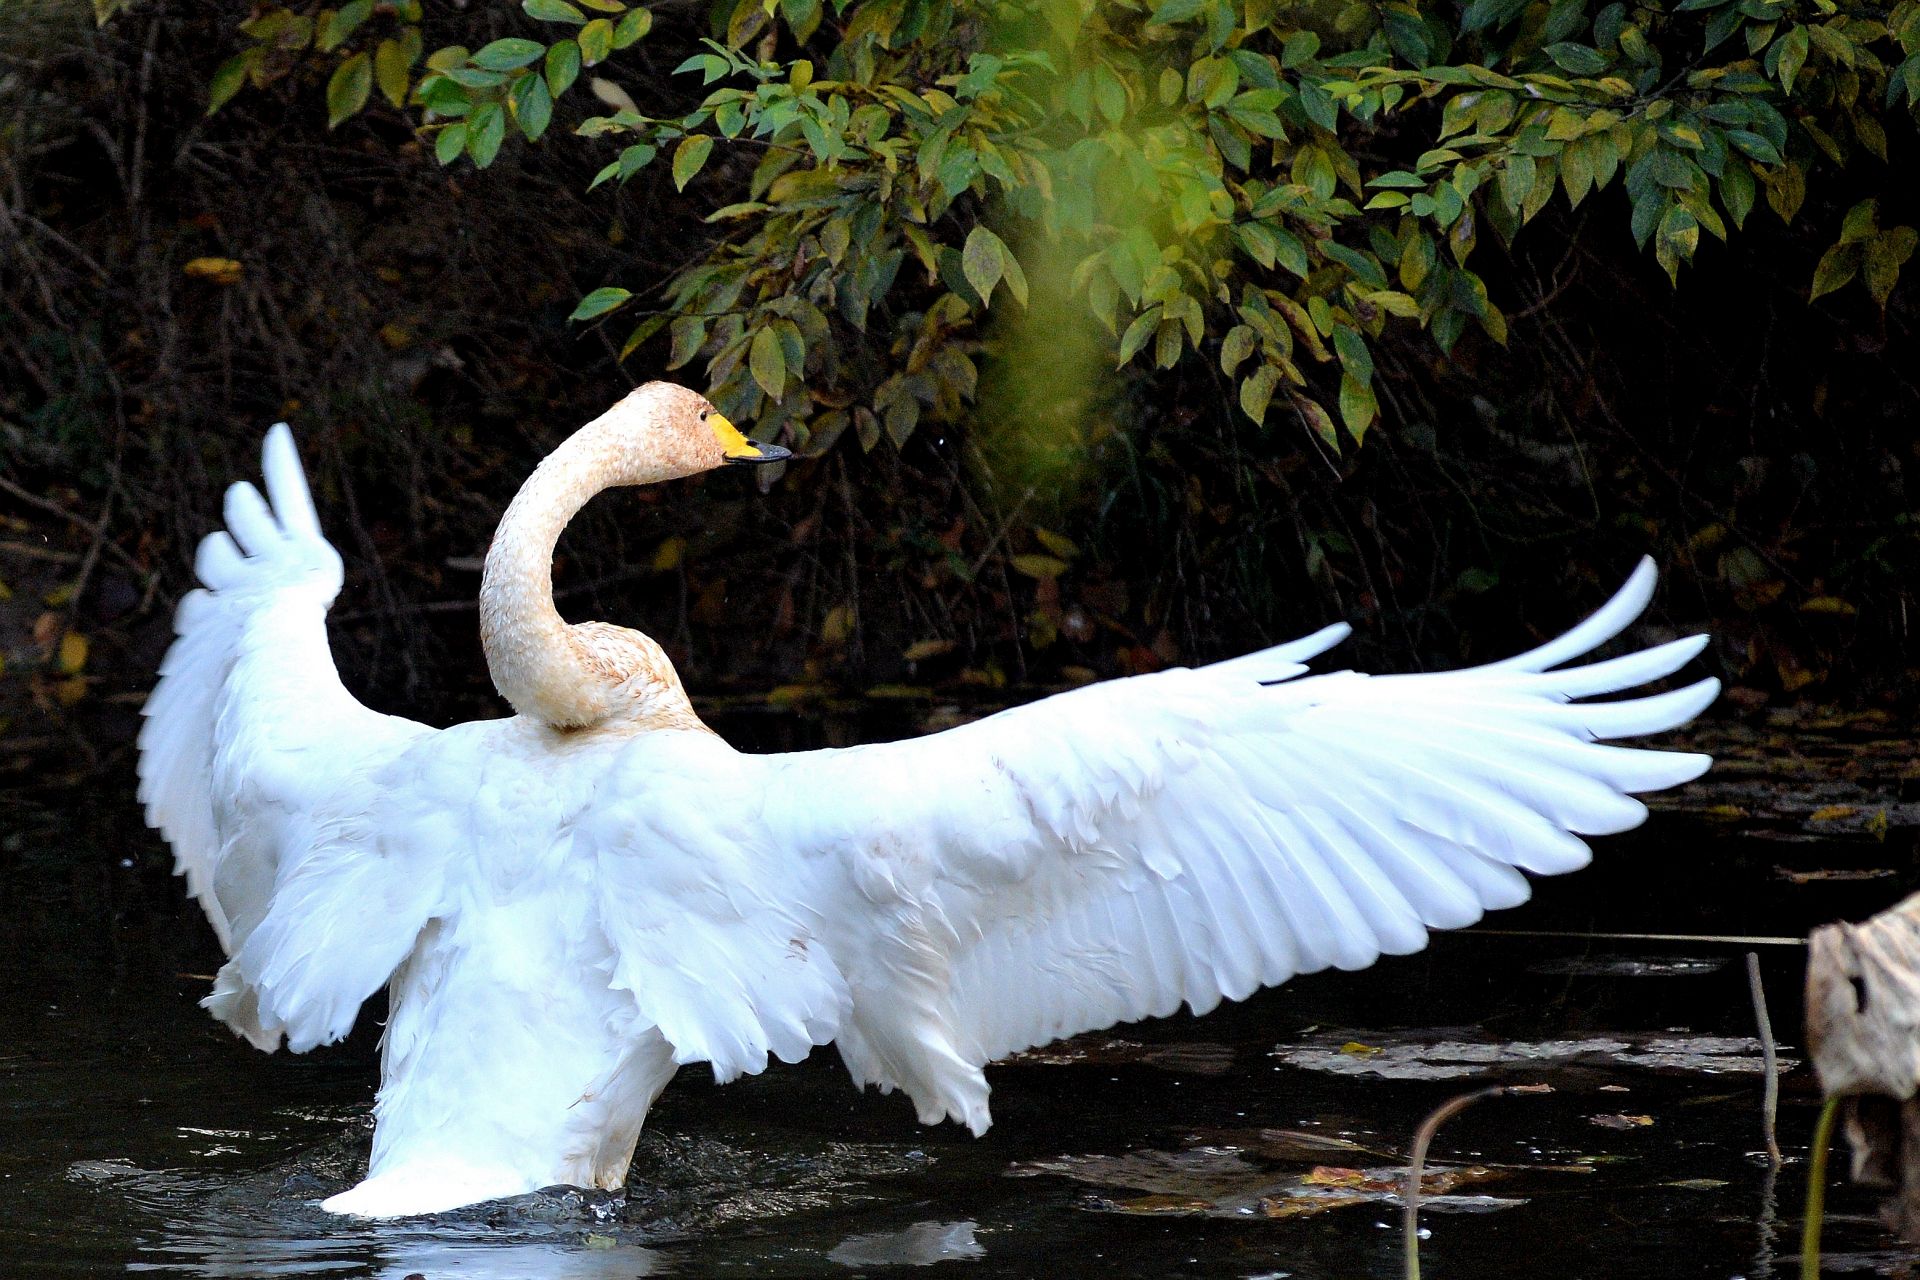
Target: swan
x,y
569,904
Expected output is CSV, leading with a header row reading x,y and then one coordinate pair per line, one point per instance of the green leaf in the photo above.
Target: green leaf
x,y
553,11
1788,55
768,362
486,130
392,65
1137,333
1172,11
444,98
632,28
348,88
228,79
1755,145
1353,352
341,23
1737,191
449,143
1577,59
562,67
599,302
509,54
688,157
596,41
983,261
532,106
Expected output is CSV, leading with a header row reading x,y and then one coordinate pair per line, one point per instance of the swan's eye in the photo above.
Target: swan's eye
x,y
704,413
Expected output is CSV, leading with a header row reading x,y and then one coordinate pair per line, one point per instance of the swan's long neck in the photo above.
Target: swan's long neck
x,y
545,668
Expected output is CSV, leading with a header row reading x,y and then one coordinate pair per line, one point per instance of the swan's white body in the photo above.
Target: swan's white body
x,y
566,916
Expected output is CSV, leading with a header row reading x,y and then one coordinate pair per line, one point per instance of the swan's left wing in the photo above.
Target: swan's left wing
x,y
1106,854
265,775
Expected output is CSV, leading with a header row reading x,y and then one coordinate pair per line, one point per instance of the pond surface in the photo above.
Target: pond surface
x,y
1263,1140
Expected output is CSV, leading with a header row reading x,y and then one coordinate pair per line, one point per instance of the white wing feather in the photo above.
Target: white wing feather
x,y
259,769
1108,854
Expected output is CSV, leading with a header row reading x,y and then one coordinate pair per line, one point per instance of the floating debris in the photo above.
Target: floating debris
x,y
1199,1058
1410,1057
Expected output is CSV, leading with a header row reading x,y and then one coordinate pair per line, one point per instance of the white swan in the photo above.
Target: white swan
x,y
569,904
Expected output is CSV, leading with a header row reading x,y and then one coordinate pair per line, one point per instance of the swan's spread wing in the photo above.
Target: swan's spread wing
x,y
1109,853
257,766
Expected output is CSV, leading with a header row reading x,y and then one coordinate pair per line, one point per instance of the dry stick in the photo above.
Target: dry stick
x,y
1410,1212
1770,1105
1816,1192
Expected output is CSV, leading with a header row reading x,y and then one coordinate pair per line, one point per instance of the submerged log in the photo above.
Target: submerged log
x,y
1863,1038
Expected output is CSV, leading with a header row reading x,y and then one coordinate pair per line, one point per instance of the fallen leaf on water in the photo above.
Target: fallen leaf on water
x,y
1358,1050
1300,1206
1332,1176
1163,1204
1829,813
1697,1184
1291,1146
1621,1122
1832,874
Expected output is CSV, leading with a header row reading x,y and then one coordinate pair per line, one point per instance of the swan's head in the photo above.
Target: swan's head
x,y
662,431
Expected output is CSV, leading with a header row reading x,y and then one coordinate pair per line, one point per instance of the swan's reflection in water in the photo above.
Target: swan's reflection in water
x,y
469,1255
919,1245
271,1225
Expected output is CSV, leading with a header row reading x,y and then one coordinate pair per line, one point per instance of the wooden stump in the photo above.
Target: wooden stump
x,y
1863,1037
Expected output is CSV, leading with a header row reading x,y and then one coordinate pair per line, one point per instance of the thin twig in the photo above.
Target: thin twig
x,y
1417,1159
1816,1192
1770,1106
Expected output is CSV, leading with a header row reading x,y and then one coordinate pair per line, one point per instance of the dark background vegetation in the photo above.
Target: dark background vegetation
x,y
411,321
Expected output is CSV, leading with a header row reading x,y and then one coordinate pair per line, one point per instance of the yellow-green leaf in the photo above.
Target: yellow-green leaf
x,y
1357,406
768,362
229,78
983,261
72,658
596,41
688,157
1837,266
348,88
1256,392
390,70
1041,567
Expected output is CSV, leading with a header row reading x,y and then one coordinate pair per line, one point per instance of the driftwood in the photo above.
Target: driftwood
x,y
1863,1038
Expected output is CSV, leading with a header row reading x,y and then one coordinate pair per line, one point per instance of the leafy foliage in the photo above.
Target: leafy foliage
x,y
1264,185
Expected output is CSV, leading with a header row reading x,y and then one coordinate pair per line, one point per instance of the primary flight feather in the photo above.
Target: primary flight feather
x,y
569,904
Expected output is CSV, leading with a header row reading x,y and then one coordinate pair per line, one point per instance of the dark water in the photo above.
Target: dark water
x,y
136,1135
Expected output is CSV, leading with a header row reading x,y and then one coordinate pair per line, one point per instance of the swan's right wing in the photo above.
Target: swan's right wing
x,y
263,773
1107,854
